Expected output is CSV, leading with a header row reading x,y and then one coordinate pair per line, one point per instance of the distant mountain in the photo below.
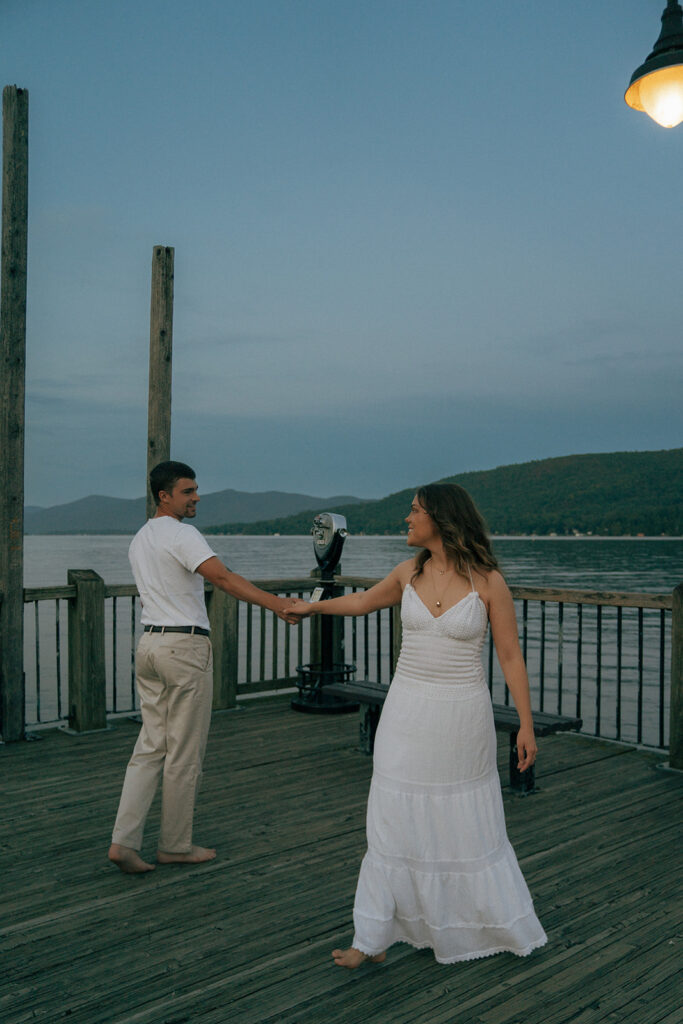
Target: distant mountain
x,y
101,514
94,514
623,493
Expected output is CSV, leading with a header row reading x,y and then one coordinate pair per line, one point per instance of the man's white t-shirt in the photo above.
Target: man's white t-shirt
x,y
163,555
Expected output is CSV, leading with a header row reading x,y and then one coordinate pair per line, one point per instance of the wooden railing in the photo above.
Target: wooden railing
x,y
614,659
99,626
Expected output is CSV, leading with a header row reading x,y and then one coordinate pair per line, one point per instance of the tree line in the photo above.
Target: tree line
x,y
615,494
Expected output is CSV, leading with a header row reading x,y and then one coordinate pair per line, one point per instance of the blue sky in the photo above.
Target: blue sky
x,y
411,238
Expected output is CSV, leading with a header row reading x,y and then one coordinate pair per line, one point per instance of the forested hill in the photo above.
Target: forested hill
x,y
616,494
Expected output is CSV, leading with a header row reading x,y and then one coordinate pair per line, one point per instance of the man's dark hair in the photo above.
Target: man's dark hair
x,y
164,477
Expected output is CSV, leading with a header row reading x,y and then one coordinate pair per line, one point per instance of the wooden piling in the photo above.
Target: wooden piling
x,y
676,702
12,402
160,353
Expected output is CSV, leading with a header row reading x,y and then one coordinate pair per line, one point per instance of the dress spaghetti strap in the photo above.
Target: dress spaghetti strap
x,y
471,580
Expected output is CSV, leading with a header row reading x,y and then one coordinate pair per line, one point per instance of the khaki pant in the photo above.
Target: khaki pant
x,y
174,675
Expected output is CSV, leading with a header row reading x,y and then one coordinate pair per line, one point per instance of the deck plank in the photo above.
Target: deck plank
x,y
247,938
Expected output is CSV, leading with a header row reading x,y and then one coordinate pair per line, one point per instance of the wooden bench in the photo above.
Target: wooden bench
x,y
371,697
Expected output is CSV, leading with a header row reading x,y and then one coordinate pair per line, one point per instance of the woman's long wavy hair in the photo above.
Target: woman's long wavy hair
x,y
462,527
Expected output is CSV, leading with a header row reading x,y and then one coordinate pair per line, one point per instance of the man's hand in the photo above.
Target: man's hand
x,y
284,611
298,610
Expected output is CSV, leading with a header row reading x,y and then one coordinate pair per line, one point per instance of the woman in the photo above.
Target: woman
x,y
439,871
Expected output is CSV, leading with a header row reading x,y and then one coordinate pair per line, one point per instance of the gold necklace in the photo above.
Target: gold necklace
x,y
441,572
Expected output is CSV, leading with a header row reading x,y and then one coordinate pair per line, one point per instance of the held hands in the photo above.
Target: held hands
x,y
283,609
526,747
298,610
292,610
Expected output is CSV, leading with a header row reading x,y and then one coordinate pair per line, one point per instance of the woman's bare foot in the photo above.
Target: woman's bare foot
x,y
129,861
197,855
353,958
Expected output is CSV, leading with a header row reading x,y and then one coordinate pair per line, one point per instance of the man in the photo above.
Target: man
x,y
174,671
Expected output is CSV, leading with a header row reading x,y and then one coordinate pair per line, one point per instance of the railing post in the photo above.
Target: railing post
x,y
676,701
12,403
397,631
223,612
87,677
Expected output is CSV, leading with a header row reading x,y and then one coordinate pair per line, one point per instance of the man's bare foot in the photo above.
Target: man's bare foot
x,y
197,855
353,958
129,861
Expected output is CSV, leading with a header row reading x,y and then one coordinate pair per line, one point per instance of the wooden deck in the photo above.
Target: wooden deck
x,y
247,938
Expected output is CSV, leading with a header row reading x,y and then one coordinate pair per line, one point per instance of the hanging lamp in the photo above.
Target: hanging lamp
x,y
656,86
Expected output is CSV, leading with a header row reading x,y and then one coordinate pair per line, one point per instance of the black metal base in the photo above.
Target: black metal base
x,y
320,704
312,697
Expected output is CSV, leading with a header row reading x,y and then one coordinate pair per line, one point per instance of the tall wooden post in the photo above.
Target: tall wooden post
x,y
160,352
12,401
676,703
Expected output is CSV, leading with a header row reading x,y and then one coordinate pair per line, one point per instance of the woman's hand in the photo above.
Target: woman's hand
x,y
526,748
298,610
283,609
382,595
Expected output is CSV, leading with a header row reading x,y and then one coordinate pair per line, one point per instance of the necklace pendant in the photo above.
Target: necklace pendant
x,y
438,604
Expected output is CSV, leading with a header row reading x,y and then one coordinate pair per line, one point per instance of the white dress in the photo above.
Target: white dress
x,y
439,871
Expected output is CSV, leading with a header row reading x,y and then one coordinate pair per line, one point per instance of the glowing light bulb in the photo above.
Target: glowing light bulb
x,y
661,95
657,85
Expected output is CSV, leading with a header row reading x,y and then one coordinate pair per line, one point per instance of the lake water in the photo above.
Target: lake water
x,y
624,688
652,565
